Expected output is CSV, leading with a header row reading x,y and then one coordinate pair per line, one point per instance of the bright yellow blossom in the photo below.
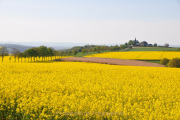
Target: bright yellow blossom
x,y
141,55
70,90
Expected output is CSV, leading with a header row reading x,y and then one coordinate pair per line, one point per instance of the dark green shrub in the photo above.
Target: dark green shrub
x,y
164,61
175,62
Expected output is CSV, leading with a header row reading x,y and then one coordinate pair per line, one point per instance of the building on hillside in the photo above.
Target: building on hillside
x,y
136,42
150,45
143,43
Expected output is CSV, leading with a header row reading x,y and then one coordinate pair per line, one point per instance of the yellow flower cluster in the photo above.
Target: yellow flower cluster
x,y
142,55
63,90
12,59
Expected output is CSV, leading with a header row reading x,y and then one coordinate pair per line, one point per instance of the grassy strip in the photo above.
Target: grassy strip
x,y
152,49
152,61
80,54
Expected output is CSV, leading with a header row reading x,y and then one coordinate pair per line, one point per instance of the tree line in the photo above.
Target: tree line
x,y
93,48
102,48
45,52
32,53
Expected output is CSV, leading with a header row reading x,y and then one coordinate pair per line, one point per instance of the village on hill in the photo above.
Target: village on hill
x,y
136,43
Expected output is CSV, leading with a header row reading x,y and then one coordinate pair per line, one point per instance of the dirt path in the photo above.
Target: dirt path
x,y
111,61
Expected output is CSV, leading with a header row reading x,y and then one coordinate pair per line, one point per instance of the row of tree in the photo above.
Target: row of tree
x,y
45,52
3,52
93,48
41,51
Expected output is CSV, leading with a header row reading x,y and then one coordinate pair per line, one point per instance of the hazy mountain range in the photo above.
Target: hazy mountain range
x,y
22,46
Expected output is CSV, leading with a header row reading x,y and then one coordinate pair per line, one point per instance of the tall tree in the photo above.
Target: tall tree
x,y
50,52
15,52
155,44
31,53
43,51
98,49
3,52
131,42
75,52
84,51
69,53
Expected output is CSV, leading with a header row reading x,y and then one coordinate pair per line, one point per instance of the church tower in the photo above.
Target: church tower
x,y
135,42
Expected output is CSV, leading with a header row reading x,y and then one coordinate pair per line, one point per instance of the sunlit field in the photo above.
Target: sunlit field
x,y
12,59
64,90
141,55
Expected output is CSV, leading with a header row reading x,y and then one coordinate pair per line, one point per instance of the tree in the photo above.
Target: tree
x,y
175,62
43,51
91,49
166,45
50,52
80,49
31,53
121,46
24,55
75,52
69,53
15,52
3,52
84,51
103,48
115,48
126,45
98,48
20,55
94,49
55,53
155,45
131,42
164,61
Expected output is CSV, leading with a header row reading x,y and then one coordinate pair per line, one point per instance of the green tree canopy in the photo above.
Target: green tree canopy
x,y
43,51
31,53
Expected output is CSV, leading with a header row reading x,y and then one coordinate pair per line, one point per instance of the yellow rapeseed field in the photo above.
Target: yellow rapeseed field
x,y
141,55
63,90
12,59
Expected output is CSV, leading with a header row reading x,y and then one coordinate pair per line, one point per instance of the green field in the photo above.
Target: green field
x,y
80,54
153,49
152,61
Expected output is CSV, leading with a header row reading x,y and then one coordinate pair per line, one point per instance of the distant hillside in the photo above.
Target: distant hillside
x,y
56,45
22,48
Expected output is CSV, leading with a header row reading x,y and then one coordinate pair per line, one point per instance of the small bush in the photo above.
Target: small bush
x,y
164,61
175,62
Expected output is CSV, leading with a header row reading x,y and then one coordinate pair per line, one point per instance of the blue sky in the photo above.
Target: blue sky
x,y
90,21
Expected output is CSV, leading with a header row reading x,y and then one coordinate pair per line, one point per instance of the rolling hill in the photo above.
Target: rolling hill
x,y
22,48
